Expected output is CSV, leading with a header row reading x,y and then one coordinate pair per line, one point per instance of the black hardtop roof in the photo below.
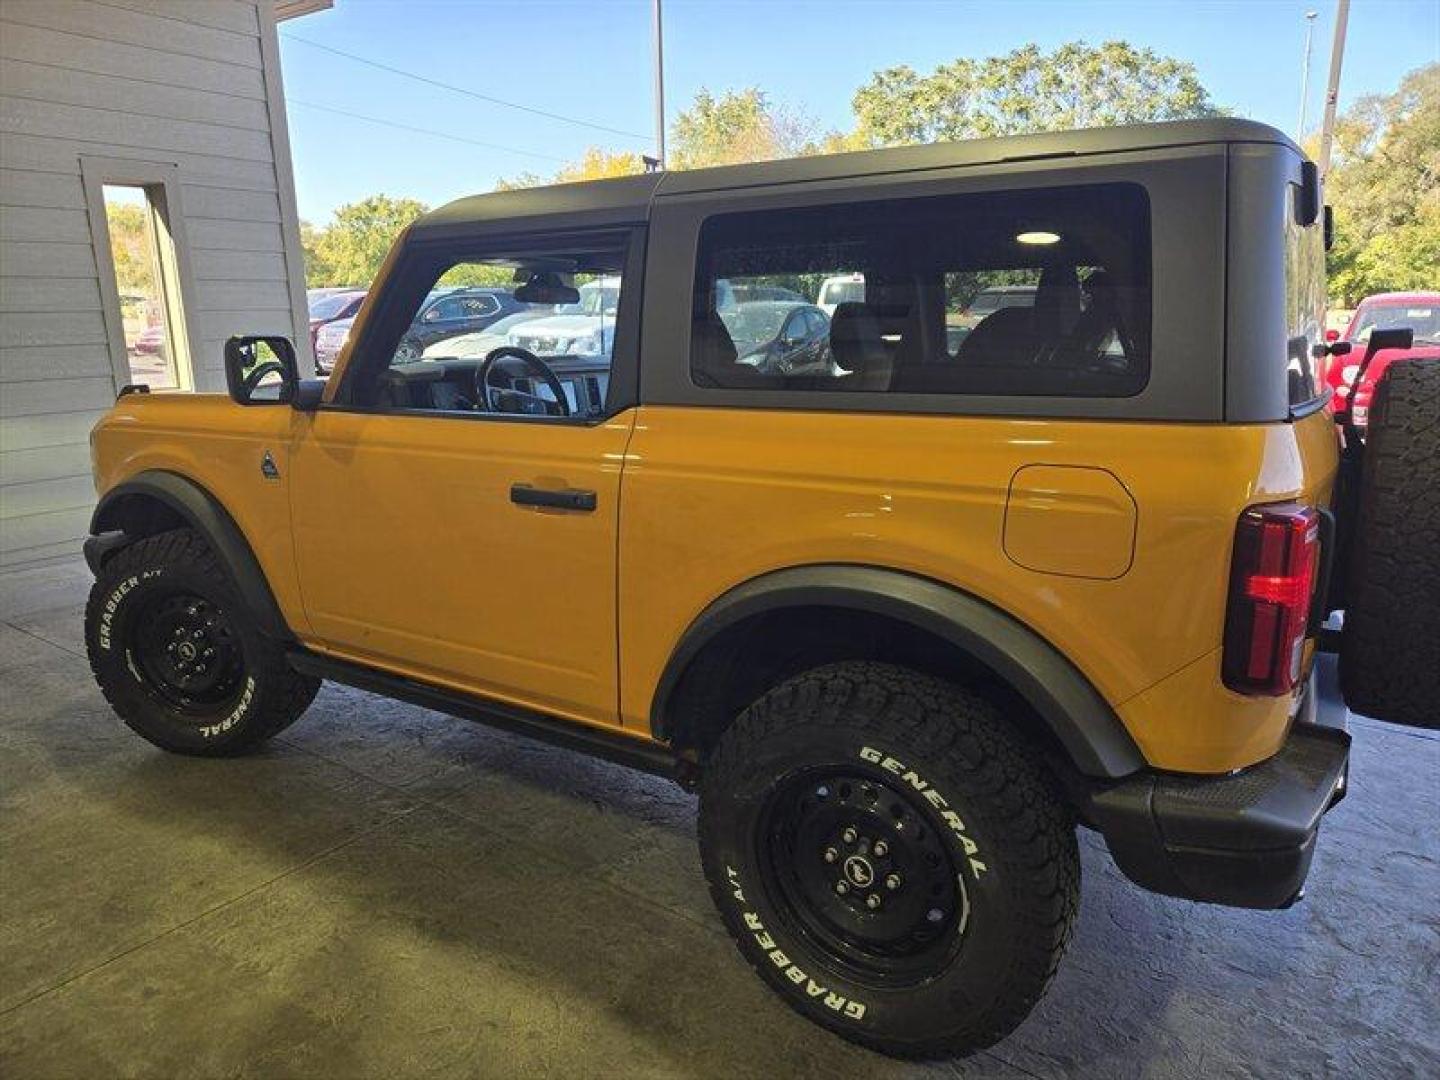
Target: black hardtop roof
x,y
627,199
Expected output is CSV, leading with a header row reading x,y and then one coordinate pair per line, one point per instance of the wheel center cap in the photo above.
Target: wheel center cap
x,y
859,871
186,651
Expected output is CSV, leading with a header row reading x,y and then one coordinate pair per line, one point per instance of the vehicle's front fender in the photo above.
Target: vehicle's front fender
x,y
155,500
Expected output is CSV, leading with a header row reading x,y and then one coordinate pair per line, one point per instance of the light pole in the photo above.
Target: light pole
x,y
1332,90
1305,73
659,88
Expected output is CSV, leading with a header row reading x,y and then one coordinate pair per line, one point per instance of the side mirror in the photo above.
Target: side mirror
x,y
1307,205
1332,336
261,370
1400,337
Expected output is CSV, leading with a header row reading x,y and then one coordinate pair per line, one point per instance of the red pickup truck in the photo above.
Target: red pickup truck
x,y
1420,311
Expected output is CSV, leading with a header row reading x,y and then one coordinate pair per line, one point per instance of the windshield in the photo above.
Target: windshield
x,y
753,325
594,300
993,300
843,292
327,307
1423,318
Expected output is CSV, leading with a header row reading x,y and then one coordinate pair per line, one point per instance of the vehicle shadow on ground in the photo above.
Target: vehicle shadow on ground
x,y
490,906
512,920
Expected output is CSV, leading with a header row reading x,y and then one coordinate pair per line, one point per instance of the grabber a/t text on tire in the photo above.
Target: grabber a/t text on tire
x,y
890,857
178,656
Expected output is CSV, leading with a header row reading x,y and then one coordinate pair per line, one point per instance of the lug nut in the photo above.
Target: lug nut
x,y
881,848
841,888
831,854
197,635
872,901
849,835
892,881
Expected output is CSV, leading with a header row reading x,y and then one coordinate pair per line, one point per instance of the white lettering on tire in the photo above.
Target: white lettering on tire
x,y
839,1003
236,715
927,791
112,604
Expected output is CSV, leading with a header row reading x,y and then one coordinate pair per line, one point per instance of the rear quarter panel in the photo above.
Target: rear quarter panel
x,y
714,497
219,445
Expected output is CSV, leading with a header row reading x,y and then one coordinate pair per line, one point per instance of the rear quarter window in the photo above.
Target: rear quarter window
x,y
1037,292
1304,301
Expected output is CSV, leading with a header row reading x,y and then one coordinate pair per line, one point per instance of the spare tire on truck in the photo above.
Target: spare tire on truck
x,y
1390,647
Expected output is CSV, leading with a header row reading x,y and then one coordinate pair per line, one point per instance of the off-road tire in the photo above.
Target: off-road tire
x,y
1390,648
268,695
1015,851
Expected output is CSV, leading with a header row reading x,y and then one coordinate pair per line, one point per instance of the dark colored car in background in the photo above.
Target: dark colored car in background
x,y
779,337
453,312
1419,311
446,313
330,305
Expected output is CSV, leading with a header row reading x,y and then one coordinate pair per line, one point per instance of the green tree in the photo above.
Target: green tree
x,y
738,126
130,247
1076,86
351,248
1384,183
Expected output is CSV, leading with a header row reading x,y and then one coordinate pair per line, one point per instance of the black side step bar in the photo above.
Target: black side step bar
x,y
629,750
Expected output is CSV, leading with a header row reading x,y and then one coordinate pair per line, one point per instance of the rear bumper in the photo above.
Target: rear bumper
x,y
1243,840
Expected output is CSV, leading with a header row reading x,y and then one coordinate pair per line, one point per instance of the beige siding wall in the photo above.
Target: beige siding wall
x,y
192,84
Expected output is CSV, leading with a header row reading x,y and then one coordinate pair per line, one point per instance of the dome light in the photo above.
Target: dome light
x,y
1038,237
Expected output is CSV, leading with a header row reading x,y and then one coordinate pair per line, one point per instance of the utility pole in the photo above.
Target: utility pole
x,y
1332,92
659,88
1305,73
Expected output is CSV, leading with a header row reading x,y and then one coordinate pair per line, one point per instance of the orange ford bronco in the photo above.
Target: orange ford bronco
x,y
909,581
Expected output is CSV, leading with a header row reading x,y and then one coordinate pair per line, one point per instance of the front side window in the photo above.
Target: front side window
x,y
549,357
1033,292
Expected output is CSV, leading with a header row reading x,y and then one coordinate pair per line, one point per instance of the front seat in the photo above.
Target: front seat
x,y
713,352
857,347
1005,338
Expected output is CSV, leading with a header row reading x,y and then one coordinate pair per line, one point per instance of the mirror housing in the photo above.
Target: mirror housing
x,y
1399,337
261,370
1307,208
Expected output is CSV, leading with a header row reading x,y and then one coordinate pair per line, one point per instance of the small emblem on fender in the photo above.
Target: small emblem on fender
x,y
268,468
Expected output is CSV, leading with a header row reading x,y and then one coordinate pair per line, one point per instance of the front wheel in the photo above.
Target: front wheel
x,y
890,858
180,659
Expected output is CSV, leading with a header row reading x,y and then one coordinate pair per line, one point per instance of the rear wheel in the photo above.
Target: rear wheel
x,y
890,858
178,656
1390,648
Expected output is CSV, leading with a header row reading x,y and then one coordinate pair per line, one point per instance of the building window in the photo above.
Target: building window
x,y
137,228
147,279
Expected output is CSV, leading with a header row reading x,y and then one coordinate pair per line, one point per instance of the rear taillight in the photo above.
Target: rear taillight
x,y
1272,579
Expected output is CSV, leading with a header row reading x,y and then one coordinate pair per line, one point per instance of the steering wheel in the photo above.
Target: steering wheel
x,y
252,381
532,404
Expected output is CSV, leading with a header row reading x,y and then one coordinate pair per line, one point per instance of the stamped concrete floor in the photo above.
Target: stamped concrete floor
x,y
387,892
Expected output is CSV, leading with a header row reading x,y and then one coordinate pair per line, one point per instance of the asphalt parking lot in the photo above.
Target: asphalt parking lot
x,y
388,892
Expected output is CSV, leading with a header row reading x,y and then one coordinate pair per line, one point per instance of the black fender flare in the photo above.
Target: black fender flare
x,y
1093,736
201,511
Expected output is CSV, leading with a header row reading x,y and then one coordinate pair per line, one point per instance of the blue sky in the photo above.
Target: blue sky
x,y
590,60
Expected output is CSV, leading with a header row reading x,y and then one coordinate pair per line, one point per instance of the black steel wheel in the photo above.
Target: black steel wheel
x,y
861,872
890,857
179,657
187,652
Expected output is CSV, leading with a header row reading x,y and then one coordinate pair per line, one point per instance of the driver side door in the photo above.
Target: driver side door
x,y
462,546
